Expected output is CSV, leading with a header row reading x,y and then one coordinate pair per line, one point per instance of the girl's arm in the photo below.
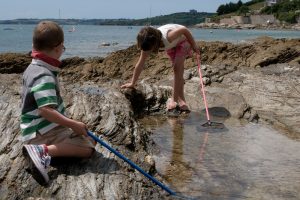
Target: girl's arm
x,y
175,33
137,69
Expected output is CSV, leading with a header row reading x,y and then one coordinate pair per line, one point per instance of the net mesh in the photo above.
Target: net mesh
x,y
210,124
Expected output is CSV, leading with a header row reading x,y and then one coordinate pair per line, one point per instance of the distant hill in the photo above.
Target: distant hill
x,y
240,7
285,10
185,18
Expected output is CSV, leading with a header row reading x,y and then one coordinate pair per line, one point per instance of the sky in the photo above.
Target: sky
x,y
102,9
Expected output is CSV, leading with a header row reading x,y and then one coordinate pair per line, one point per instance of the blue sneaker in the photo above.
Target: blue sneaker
x,y
39,160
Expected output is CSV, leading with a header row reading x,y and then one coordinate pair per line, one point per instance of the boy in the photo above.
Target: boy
x,y
44,126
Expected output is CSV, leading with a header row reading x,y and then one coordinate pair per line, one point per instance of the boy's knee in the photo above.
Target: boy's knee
x,y
89,152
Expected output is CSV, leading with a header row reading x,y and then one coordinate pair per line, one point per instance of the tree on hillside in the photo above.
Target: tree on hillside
x,y
229,7
243,10
221,10
239,4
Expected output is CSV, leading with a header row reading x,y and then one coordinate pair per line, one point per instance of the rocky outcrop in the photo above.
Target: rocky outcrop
x,y
233,24
13,63
108,113
257,81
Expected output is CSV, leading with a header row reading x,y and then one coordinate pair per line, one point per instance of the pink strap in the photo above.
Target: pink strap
x,y
202,87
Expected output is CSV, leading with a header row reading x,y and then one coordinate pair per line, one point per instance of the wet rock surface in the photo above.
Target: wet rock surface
x,y
258,81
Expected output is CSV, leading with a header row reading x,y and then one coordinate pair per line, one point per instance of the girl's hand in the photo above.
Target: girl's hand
x,y
127,85
196,49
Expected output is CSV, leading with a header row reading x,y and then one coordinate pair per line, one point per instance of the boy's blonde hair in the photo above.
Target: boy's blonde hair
x,y
47,35
149,39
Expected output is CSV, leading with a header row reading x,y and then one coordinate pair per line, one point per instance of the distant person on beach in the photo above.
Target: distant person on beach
x,y
178,41
46,130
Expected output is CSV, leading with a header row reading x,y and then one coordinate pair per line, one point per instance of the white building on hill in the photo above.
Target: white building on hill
x,y
271,2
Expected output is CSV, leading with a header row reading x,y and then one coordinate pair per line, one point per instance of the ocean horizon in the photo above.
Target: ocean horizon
x,y
98,40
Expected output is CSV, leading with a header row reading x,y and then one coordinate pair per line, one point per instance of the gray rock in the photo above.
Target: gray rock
x,y
107,112
269,94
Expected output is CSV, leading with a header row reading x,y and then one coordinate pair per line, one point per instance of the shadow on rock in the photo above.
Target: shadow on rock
x,y
218,112
137,98
76,166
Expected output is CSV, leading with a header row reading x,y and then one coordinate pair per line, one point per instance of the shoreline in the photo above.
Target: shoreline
x,y
294,27
112,51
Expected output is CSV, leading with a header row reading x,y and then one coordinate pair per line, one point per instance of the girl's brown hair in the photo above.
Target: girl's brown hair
x,y
149,39
47,35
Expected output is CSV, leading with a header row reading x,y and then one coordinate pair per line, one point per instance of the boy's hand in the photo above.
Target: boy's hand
x,y
127,85
79,128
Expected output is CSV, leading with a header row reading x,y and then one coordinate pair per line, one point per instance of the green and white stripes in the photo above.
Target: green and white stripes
x,y
40,89
31,123
44,91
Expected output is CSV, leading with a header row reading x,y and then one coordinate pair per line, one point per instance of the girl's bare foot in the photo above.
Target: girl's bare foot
x,y
184,109
171,104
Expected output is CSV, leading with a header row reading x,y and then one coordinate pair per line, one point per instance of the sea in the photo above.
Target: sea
x,y
97,40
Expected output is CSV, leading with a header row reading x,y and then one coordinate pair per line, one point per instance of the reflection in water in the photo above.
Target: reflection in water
x,y
243,161
177,172
202,149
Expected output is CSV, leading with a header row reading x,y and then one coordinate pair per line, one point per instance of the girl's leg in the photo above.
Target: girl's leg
x,y
171,104
178,85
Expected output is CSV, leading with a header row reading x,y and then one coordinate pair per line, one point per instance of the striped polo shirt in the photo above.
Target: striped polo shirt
x,y
40,88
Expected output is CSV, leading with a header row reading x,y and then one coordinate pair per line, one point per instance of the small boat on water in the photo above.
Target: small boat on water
x,y
8,29
73,29
105,44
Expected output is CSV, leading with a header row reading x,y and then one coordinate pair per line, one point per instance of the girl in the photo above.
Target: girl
x,y
177,40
